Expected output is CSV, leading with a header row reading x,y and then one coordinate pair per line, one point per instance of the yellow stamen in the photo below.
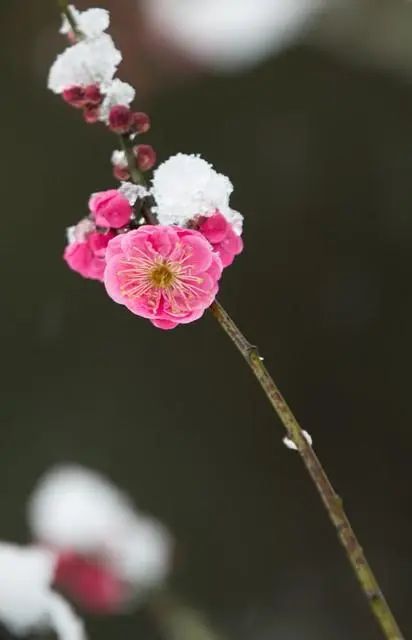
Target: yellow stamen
x,y
162,276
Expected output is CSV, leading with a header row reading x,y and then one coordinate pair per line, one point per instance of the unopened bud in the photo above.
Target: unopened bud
x,y
120,119
91,114
121,173
92,95
71,36
74,96
141,122
145,156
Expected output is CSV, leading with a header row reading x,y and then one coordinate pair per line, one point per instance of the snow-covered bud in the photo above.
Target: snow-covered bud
x,y
141,122
74,96
120,166
91,114
120,119
93,95
109,553
145,156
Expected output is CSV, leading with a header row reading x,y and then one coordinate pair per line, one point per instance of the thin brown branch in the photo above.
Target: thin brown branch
x,y
331,500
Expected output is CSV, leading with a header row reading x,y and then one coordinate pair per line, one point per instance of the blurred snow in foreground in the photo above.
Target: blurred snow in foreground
x,y
230,34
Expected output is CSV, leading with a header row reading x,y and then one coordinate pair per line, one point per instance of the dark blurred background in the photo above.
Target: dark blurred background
x,y
316,136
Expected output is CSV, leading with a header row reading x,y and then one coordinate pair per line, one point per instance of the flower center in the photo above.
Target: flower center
x,y
162,276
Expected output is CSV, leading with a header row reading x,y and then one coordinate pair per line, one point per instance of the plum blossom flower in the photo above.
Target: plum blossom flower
x,y
117,93
110,209
108,552
186,187
166,274
27,602
89,62
86,249
91,23
222,237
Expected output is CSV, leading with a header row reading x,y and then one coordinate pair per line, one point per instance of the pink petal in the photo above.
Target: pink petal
x,y
111,279
216,268
114,247
215,228
164,324
199,253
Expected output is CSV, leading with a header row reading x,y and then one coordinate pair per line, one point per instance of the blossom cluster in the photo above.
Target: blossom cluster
x,y
159,245
90,543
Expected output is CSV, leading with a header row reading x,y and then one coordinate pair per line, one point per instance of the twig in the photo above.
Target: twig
x,y
331,500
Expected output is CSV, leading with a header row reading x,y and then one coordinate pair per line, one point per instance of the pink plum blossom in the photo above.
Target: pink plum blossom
x,y
166,274
224,240
110,209
86,250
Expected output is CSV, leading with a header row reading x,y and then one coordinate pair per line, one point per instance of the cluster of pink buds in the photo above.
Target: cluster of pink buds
x,y
160,247
87,98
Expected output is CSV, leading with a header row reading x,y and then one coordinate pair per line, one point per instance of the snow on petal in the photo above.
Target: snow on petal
x,y
87,62
116,93
236,220
133,191
118,158
185,186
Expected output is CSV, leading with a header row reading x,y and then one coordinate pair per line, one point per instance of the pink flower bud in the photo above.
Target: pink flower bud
x,y
92,95
219,232
91,114
74,96
86,251
141,122
145,156
121,173
110,209
120,119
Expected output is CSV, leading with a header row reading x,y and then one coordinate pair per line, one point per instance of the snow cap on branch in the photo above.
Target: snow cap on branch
x,y
91,23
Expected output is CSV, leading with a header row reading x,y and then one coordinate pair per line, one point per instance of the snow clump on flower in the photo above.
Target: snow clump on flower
x,y
85,63
186,186
116,93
